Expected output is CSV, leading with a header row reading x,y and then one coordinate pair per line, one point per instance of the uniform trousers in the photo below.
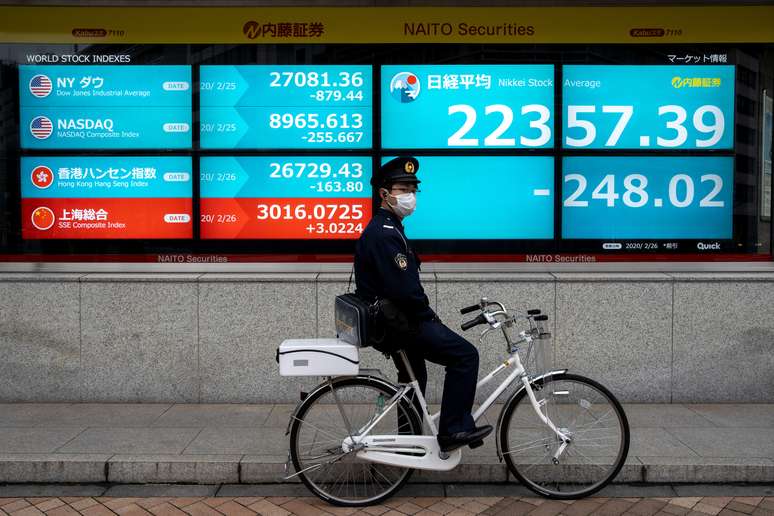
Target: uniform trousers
x,y
435,342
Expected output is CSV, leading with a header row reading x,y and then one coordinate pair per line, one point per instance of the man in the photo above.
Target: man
x,y
387,267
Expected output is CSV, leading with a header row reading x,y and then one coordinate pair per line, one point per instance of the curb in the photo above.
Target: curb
x,y
258,469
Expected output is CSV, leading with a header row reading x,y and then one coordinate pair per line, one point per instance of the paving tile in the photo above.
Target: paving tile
x,y
302,508
749,500
97,510
254,440
200,509
233,508
706,508
266,508
646,507
132,510
117,503
185,501
64,510
131,440
29,511
83,504
740,507
658,442
581,508
725,442
16,505
408,508
729,512
241,500
166,509
97,414
148,503
717,501
214,415
441,507
737,415
509,506
49,503
664,415
614,506
675,509
36,440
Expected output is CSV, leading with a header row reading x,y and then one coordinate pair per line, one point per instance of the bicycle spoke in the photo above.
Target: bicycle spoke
x,y
592,457
346,478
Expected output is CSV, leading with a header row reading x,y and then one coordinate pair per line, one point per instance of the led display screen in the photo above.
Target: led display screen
x,y
648,107
106,197
244,150
286,107
647,197
285,197
467,106
451,204
105,107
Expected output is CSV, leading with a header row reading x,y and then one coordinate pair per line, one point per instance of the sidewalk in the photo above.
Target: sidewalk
x,y
242,443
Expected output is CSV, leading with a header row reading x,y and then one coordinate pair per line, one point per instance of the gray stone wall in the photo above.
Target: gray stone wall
x,y
191,337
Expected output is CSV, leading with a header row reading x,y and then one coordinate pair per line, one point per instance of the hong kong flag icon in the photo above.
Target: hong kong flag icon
x,y
42,177
43,218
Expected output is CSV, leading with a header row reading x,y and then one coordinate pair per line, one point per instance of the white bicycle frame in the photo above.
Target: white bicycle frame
x,y
423,451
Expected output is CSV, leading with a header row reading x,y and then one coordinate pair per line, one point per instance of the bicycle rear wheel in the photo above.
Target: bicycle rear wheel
x,y
318,430
581,408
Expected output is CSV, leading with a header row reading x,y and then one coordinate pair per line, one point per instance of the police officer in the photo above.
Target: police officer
x,y
387,267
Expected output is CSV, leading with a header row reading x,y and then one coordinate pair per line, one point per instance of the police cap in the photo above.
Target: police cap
x,y
402,169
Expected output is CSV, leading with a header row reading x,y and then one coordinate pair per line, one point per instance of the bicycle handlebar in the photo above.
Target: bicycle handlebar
x,y
469,309
480,319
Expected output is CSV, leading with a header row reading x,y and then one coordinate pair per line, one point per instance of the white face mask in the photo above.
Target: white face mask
x,y
406,204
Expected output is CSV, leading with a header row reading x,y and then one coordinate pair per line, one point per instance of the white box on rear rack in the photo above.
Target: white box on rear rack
x,y
317,357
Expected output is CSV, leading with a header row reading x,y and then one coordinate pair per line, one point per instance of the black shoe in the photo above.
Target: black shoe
x,y
452,442
476,444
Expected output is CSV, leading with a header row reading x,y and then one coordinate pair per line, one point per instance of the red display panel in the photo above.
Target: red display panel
x,y
106,218
282,218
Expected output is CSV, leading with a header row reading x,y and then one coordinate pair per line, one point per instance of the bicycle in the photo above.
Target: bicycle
x,y
562,435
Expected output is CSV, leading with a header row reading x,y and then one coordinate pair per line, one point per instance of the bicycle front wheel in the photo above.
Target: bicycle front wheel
x,y
318,431
582,409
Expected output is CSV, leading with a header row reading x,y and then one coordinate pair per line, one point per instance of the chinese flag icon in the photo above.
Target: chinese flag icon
x,y
43,218
42,177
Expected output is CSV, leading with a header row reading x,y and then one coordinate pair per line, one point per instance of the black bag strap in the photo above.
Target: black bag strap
x,y
349,284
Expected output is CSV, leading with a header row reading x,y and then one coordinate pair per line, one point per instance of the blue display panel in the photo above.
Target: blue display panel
x,y
105,107
284,197
106,176
285,176
647,197
467,106
648,107
286,107
483,197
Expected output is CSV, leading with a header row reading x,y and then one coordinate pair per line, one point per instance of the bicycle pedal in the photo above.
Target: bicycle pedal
x,y
476,444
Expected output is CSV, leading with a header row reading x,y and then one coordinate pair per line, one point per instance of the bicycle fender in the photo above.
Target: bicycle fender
x,y
335,379
511,400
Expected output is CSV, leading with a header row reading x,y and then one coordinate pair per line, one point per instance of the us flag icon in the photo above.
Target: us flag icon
x,y
40,86
41,127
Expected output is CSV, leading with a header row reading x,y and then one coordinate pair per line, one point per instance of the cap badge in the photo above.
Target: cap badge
x,y
409,167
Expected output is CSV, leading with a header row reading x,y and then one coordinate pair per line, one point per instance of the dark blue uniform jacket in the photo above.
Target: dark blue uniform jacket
x,y
387,267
